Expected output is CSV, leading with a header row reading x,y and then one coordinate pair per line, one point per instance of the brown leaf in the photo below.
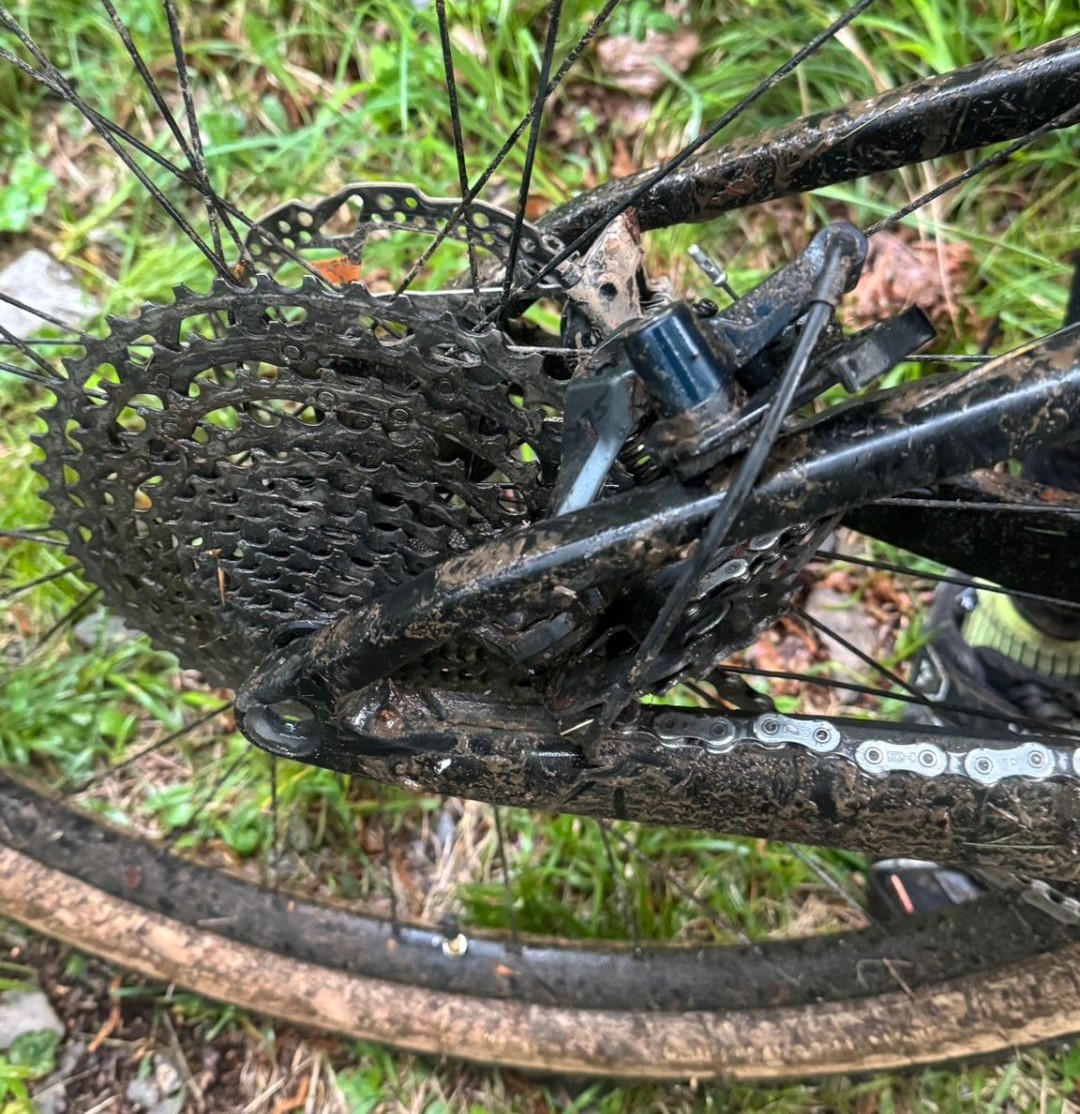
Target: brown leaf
x,y
536,206
901,271
622,165
632,64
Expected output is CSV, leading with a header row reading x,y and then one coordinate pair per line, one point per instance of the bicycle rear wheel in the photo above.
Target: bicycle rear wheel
x,y
977,981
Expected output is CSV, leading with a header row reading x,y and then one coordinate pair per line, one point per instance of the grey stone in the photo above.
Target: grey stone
x,y
102,626
143,1093
51,1100
161,1092
28,1012
39,281
834,610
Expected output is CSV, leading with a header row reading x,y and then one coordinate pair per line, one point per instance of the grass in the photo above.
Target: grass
x,y
298,100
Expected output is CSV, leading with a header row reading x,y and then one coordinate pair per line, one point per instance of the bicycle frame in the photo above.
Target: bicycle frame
x,y
921,434
892,442
989,102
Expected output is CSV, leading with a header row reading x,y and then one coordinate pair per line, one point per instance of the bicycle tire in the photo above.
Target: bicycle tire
x,y
157,916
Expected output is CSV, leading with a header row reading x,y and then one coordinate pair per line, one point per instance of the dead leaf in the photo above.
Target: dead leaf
x,y
902,271
622,165
536,206
631,64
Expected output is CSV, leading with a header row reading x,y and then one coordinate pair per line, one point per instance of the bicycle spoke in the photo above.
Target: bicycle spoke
x,y
889,694
974,505
66,326
275,846
829,880
69,618
29,376
49,377
945,358
554,14
46,578
391,881
508,145
204,801
65,89
215,212
459,142
33,534
151,748
621,889
945,578
102,124
504,862
878,667
718,919
193,151
693,147
36,358
109,130
1063,120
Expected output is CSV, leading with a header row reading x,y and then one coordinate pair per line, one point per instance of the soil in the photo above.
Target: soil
x,y
126,1040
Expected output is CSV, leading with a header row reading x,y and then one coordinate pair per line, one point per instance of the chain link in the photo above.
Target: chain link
x,y
1031,760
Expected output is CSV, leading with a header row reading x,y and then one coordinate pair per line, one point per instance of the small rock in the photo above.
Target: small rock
x,y
102,626
834,611
26,1013
166,1076
39,281
143,1093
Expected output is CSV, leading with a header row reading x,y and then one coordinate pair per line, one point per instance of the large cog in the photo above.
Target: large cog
x,y
325,446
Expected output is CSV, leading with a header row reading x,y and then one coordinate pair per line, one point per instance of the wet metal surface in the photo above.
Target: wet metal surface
x,y
1002,98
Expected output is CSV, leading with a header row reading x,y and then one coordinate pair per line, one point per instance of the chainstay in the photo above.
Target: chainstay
x,y
933,792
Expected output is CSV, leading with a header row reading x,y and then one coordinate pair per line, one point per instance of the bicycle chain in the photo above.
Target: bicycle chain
x,y
985,765
1032,759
